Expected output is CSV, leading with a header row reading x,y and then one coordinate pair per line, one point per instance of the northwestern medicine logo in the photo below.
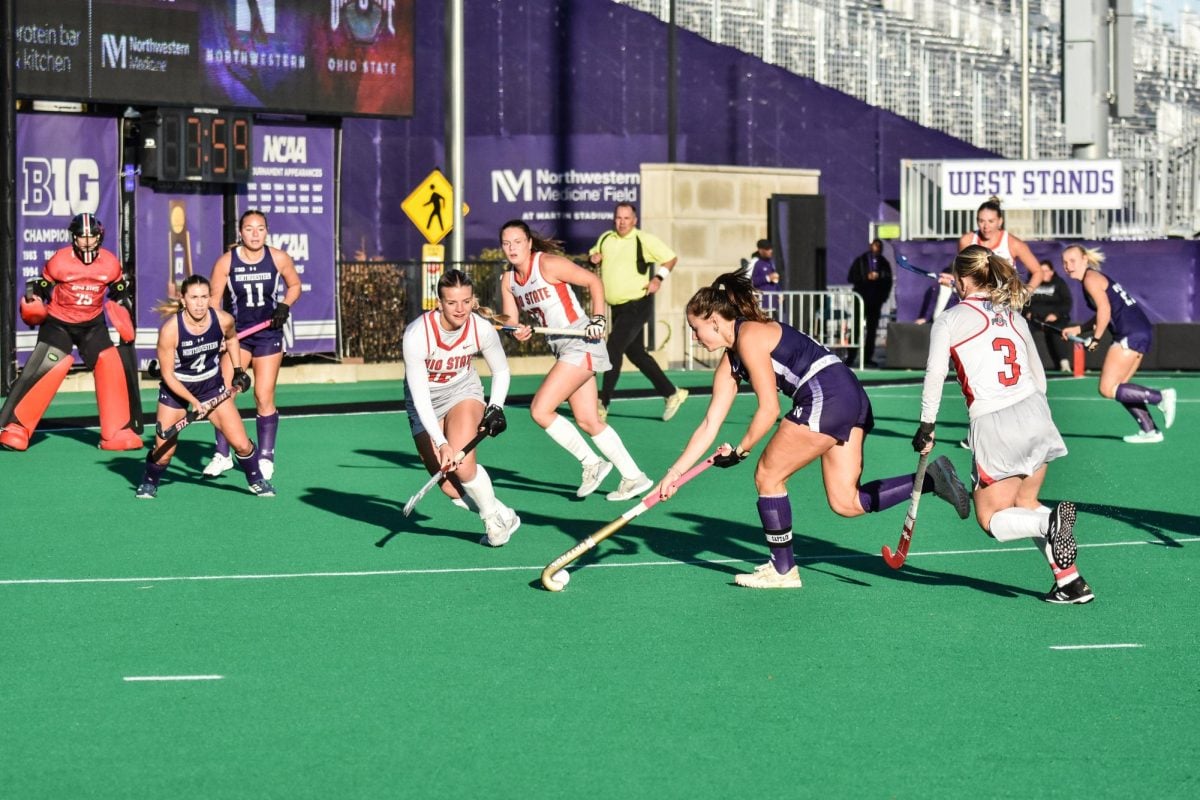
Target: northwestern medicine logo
x,y
364,19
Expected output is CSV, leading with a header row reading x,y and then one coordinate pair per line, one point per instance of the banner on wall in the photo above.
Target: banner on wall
x,y
292,184
568,194
178,233
67,164
1031,185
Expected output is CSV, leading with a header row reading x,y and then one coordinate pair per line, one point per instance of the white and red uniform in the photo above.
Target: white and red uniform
x,y
1003,382
79,289
439,369
552,304
1001,249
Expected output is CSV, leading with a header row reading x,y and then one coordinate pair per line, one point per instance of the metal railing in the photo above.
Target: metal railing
x,y
834,318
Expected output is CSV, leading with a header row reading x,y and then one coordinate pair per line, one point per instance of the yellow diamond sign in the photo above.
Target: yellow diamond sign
x,y
430,207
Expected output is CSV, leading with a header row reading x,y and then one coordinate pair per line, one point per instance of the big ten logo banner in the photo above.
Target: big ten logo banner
x,y
179,233
66,165
292,185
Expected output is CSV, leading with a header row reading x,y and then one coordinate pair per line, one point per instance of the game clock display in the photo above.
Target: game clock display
x,y
200,145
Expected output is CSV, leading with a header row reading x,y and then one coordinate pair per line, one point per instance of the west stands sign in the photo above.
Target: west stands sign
x,y
334,57
1033,185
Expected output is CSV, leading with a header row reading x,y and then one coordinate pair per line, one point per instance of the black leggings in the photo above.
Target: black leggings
x,y
625,339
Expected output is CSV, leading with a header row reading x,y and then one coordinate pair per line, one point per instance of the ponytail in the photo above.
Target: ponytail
x,y
731,296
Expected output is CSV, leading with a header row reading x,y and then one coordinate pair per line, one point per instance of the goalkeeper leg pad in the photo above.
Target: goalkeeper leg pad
x,y
112,398
31,395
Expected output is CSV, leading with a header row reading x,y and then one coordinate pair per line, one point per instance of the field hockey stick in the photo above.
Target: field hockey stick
x,y
576,332
896,560
171,432
253,329
590,542
1047,326
904,263
440,475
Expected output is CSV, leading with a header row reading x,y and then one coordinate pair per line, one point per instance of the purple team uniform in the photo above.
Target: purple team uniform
x,y
197,363
1129,324
251,300
826,395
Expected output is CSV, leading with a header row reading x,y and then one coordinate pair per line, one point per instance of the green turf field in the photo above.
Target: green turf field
x,y
341,650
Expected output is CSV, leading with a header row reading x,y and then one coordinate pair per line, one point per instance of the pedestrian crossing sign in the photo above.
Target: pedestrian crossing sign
x,y
430,206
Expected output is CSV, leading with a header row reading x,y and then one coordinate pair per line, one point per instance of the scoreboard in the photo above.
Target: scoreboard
x,y
198,144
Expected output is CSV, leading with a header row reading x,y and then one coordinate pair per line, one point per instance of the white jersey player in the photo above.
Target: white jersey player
x,y
444,397
992,236
1012,434
538,284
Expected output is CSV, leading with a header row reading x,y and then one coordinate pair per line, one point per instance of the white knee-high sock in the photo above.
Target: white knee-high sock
x,y
570,439
480,490
609,443
1018,523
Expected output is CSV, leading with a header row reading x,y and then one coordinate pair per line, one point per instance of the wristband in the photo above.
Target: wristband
x,y
661,273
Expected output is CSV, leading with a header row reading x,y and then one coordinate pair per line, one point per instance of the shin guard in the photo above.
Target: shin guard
x,y
112,398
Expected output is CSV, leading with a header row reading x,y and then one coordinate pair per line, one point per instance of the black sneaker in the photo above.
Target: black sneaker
x,y
1060,534
146,491
1077,592
947,486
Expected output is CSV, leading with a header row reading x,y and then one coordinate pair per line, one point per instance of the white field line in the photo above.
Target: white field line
x,y
1094,646
154,678
266,576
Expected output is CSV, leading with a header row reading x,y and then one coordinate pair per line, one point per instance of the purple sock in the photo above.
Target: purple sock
x,y
222,445
885,493
249,465
1131,393
1141,414
266,428
776,515
154,472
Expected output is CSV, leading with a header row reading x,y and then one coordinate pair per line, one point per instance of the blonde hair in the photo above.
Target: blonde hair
x,y
993,274
1091,255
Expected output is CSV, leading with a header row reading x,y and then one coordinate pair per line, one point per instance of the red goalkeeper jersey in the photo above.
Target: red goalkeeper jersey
x,y
79,289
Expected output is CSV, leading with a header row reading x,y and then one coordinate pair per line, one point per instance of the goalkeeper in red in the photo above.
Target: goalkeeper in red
x,y
78,285
1012,435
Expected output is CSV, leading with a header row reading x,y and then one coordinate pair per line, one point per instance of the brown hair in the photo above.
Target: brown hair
x,y
731,296
993,274
541,244
166,308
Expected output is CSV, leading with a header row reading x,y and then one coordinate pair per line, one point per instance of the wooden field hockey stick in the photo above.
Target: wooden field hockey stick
x,y
896,560
171,433
590,542
440,475
576,332
904,263
1049,327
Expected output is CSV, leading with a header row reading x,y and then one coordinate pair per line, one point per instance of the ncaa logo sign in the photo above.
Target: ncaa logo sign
x,y
59,186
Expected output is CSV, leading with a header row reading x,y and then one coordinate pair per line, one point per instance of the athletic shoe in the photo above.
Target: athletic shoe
x,y
602,411
1145,437
1064,365
1077,592
947,486
1167,407
262,488
965,444
592,475
631,487
768,578
500,526
673,403
461,503
1061,534
218,466
146,491
267,467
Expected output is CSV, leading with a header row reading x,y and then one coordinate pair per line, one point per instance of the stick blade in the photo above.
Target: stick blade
x,y
894,560
412,502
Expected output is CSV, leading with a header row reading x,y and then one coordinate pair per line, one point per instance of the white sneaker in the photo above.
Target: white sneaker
x,y
632,487
592,475
1145,437
769,579
1064,365
500,527
1167,407
218,465
673,403
267,466
461,503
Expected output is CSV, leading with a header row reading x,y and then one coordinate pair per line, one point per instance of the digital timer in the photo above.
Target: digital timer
x,y
201,145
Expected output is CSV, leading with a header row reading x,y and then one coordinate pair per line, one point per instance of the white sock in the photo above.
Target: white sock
x,y
480,490
570,439
609,443
1018,523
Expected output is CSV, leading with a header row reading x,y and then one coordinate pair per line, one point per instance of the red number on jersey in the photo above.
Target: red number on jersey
x,y
1009,350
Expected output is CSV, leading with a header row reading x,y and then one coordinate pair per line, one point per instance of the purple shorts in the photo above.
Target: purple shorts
x,y
204,391
832,402
263,343
1137,340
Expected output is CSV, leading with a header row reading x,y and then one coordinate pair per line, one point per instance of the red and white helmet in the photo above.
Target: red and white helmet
x,y
86,226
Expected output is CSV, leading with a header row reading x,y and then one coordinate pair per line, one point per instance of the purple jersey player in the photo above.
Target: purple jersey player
x,y
248,276
828,420
1116,310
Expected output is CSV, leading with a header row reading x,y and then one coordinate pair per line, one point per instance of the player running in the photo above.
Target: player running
x,y
538,283
444,397
247,277
829,419
992,236
1012,435
189,352
1116,310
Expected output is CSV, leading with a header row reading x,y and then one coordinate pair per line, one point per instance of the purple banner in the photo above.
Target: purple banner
x,y
178,233
66,165
293,185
